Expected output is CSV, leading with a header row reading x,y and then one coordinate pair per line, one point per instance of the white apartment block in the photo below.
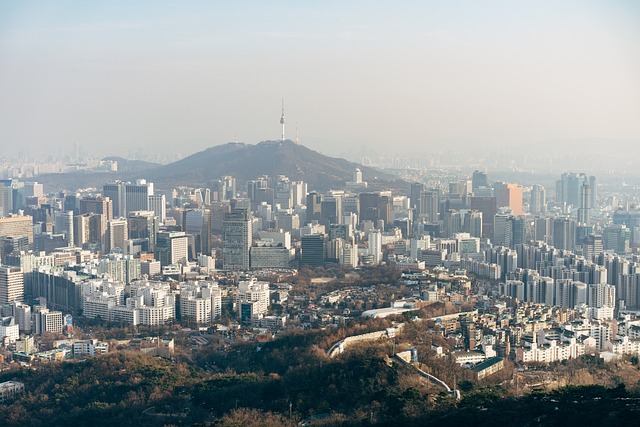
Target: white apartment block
x,y
200,302
624,345
44,320
255,292
9,329
551,351
139,303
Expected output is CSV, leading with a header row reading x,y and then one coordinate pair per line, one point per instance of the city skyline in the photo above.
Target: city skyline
x,y
416,77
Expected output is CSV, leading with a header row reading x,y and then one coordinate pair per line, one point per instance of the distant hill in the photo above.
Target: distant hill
x,y
243,161
247,161
132,166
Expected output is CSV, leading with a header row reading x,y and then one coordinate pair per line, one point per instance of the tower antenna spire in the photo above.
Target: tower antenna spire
x,y
297,136
282,119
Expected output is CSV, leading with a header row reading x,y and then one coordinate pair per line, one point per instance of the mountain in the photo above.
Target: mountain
x,y
247,161
243,161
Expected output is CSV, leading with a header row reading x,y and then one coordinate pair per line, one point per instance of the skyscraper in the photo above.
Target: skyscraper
x,y
6,198
117,234
486,205
127,196
564,233
137,196
64,225
502,230
237,235
115,191
369,207
509,195
143,225
414,196
473,223
538,203
81,230
158,204
312,250
584,212
479,179
375,246
97,204
11,284
171,247
283,192
452,222
430,204
569,189
17,226
197,222
314,207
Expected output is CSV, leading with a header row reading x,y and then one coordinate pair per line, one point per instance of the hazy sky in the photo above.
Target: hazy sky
x,y
182,76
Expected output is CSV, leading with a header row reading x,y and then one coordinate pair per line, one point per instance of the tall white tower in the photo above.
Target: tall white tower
x,y
282,119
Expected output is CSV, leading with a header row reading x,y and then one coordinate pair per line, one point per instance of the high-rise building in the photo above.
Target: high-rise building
x,y
137,196
473,223
519,231
564,233
349,255
81,230
197,222
6,198
584,212
430,204
172,247
538,204
283,192
569,189
127,196
593,246
64,225
299,193
452,222
414,196
369,207
616,238
312,250
143,225
314,207
11,284
375,246
33,189
543,230
351,205
44,320
117,234
478,180
509,195
384,211
114,191
226,188
237,232
331,208
486,205
17,226
158,204
252,299
72,203
97,204
102,208
503,230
